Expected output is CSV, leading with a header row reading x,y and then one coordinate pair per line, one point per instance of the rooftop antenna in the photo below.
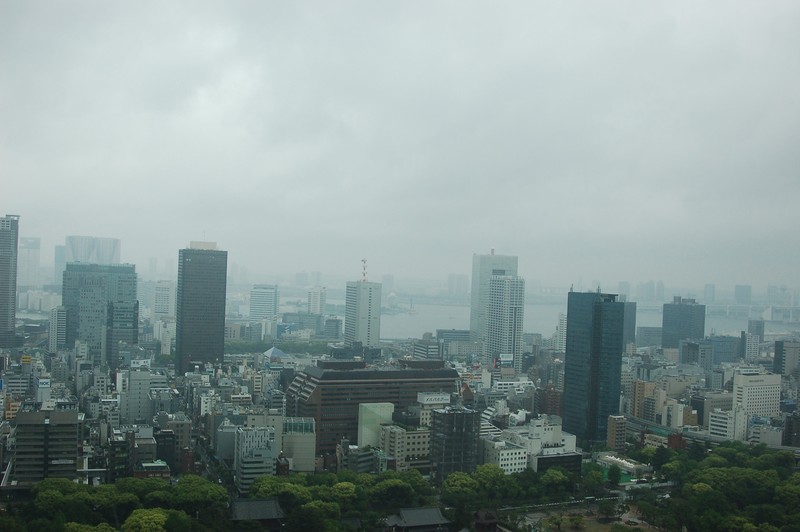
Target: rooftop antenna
x,y
363,270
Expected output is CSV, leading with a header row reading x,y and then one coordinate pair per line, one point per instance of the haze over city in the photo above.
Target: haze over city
x,y
597,142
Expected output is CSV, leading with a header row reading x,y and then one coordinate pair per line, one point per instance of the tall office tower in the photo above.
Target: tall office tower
x,y
709,293
505,318
59,263
756,328
362,314
28,266
787,357
317,299
200,308
561,333
454,441
58,329
264,302
102,309
624,289
743,294
629,328
483,268
9,238
164,300
92,249
683,319
750,347
593,363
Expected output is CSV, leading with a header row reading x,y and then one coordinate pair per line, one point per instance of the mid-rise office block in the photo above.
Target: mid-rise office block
x,y
617,427
362,318
254,455
200,308
593,363
758,392
46,445
264,302
683,319
454,441
9,241
332,395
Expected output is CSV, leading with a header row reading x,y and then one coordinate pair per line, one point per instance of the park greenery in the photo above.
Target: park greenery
x,y
730,487
726,488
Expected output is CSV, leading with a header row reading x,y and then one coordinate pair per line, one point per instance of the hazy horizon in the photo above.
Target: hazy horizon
x,y
598,142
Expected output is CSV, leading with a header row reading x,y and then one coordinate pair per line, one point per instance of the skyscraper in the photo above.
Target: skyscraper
x,y
58,329
92,249
102,308
164,300
683,319
264,302
9,239
200,309
505,317
362,314
317,299
593,363
483,268
28,265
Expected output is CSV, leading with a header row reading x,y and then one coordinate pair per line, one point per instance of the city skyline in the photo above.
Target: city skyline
x,y
611,142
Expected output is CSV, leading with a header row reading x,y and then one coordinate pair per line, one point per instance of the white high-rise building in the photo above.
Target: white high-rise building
x,y
254,455
751,347
362,315
483,268
164,300
506,312
561,333
264,302
317,297
758,392
58,329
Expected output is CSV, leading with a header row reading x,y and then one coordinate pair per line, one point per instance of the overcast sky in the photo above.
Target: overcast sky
x,y
595,140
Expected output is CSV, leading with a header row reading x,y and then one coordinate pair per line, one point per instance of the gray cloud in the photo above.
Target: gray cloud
x,y
595,140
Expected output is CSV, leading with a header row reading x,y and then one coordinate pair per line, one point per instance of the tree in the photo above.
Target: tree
x,y
608,509
391,494
614,475
292,496
315,515
576,521
661,456
200,498
459,490
146,520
